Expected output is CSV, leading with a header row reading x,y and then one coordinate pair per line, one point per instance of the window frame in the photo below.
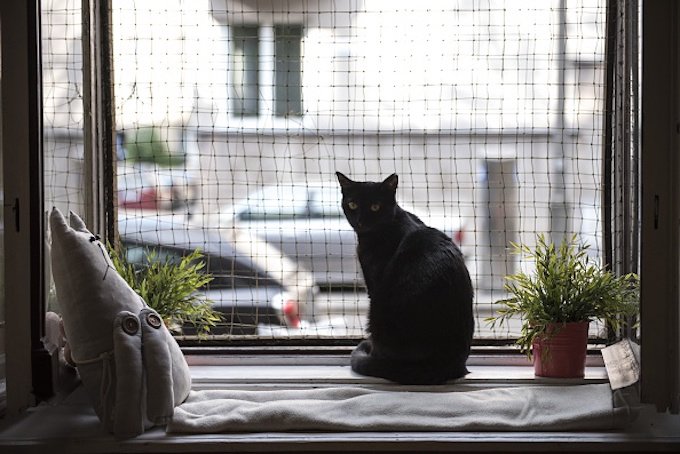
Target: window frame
x,y
660,242
659,299
27,362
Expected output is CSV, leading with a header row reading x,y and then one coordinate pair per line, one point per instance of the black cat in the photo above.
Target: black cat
x,y
420,320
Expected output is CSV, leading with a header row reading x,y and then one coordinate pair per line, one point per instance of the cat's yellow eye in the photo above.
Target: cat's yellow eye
x,y
353,205
375,207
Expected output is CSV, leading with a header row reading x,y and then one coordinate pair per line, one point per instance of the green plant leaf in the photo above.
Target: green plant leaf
x,y
171,289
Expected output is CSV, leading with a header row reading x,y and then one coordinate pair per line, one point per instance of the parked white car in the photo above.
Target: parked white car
x,y
306,222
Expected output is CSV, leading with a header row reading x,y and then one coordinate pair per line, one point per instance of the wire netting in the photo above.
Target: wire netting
x,y
232,118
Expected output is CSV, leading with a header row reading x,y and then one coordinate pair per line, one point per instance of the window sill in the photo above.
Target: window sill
x,y
243,371
268,376
72,426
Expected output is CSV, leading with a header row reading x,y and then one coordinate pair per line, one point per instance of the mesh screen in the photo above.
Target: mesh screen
x,y
233,116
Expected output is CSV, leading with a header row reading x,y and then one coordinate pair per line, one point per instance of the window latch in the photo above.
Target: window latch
x,y
15,210
656,212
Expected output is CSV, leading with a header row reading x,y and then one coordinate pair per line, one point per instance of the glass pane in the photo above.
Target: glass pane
x,y
245,64
288,70
491,116
62,66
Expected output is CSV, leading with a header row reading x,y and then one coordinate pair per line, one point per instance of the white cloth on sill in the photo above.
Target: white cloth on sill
x,y
522,408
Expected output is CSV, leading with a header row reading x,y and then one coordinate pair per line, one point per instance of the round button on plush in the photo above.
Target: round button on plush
x,y
130,325
154,320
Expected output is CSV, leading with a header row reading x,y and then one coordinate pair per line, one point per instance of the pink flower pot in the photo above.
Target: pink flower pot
x,y
561,352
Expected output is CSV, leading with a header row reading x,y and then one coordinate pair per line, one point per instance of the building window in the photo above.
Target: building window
x,y
266,70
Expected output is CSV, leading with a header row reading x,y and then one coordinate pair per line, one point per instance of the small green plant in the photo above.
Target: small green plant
x,y
171,288
565,287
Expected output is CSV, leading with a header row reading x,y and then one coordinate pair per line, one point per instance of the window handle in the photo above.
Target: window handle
x,y
656,212
15,210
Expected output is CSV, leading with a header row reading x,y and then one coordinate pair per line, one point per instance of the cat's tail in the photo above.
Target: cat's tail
x,y
361,358
365,362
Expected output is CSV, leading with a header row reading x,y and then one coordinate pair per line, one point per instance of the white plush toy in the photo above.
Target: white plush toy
x,y
130,365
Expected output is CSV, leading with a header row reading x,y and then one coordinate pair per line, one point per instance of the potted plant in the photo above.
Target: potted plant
x,y
557,301
171,289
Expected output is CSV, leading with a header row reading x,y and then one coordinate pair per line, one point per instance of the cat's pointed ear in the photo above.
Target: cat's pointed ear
x,y
391,182
343,180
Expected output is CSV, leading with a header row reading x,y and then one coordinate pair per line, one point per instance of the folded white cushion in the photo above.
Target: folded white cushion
x,y
130,365
403,408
